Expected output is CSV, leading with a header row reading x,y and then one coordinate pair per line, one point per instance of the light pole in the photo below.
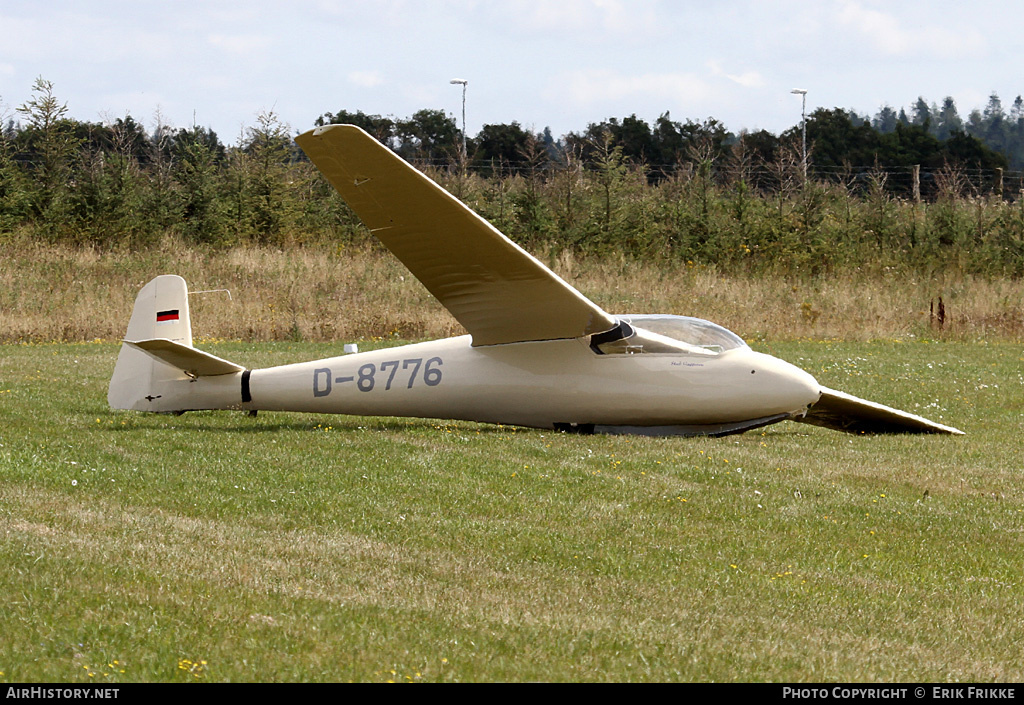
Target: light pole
x,y
462,82
803,123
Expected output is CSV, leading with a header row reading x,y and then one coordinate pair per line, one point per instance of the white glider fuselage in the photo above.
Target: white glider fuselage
x,y
539,353
539,384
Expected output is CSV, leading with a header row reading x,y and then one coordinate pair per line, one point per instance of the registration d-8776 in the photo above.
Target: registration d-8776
x,y
389,374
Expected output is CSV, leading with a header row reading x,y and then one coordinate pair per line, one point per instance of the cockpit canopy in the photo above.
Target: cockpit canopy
x,y
665,334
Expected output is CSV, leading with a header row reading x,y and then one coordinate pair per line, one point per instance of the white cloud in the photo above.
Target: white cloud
x,y
595,87
420,94
366,79
240,44
636,19
70,36
747,79
887,34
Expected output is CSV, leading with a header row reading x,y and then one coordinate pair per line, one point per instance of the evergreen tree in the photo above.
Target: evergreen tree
x,y
14,196
886,120
48,144
922,114
947,121
197,173
268,153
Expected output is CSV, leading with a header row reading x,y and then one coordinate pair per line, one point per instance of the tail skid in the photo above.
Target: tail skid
x,y
158,369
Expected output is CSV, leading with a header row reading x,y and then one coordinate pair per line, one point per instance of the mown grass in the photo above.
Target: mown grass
x,y
218,547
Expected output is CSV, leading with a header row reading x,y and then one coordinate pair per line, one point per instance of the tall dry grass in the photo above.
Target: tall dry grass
x,y
53,292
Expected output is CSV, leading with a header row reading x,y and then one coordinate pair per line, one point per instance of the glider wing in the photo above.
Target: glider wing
x,y
494,288
844,412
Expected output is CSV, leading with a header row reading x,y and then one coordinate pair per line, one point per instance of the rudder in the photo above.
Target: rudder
x,y
158,369
161,311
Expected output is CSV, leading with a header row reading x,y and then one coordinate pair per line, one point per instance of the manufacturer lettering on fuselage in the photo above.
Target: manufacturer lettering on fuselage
x,y
383,377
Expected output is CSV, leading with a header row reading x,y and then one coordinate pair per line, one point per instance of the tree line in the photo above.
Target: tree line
x,y
690,191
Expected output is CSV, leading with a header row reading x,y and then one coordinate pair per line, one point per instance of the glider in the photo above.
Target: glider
x,y
538,352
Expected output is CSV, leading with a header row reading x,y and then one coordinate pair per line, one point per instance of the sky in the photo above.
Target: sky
x,y
561,64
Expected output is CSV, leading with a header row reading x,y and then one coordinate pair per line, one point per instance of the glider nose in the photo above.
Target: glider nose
x,y
791,389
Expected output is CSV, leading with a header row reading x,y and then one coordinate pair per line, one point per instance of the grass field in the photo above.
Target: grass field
x,y
54,293
217,547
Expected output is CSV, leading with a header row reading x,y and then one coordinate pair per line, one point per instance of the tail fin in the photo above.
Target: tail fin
x,y
157,368
161,311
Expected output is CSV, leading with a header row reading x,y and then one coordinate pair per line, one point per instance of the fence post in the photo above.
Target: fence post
x,y
999,182
917,183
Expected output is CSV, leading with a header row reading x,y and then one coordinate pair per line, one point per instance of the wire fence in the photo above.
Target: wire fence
x,y
911,182
907,182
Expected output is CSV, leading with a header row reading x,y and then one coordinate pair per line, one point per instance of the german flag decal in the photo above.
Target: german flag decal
x,y
167,316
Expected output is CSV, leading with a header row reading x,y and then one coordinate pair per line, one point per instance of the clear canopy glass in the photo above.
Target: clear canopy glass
x,y
666,334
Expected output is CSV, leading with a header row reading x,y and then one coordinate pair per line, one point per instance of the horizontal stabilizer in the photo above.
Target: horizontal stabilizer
x,y
194,363
844,412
